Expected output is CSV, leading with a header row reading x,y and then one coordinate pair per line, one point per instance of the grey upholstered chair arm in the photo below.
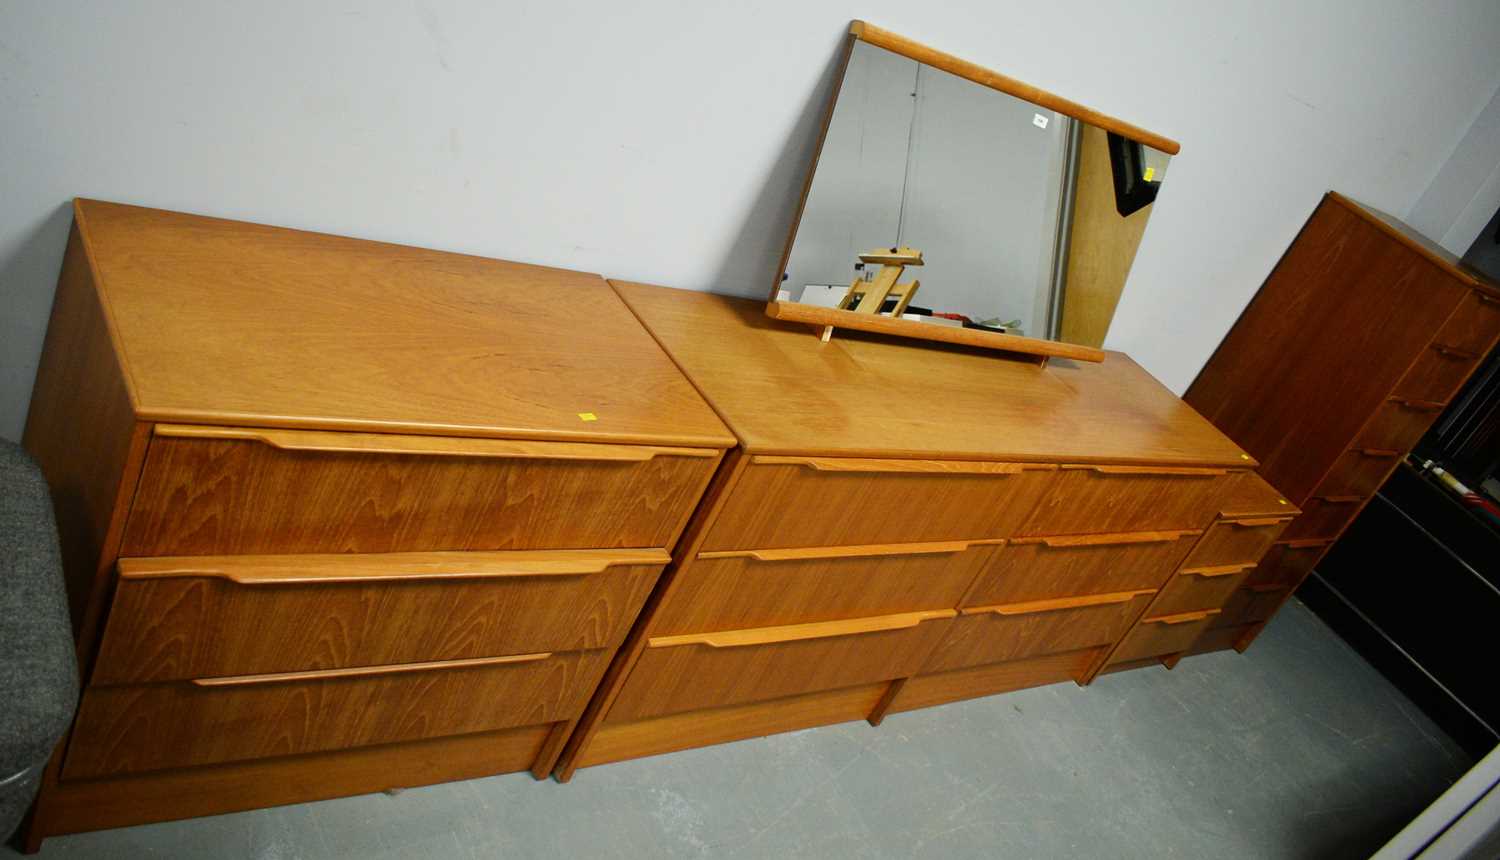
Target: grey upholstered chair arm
x,y
38,669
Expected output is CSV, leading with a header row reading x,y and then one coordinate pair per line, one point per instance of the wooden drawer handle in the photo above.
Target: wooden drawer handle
x,y
437,446
1257,523
1340,500
1453,352
925,467
1182,471
1418,405
386,567
1034,606
795,632
1216,570
1379,452
1118,539
1182,618
364,671
1308,543
861,551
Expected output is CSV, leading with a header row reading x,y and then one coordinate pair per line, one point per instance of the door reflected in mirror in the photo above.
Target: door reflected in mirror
x,y
947,202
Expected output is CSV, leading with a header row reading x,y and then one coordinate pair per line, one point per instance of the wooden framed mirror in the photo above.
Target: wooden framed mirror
x,y
952,203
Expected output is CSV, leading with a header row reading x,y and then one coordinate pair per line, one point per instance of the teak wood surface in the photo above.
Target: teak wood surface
x,y
1336,288
165,795
1353,304
752,629
286,392
206,496
225,322
865,396
132,729
186,618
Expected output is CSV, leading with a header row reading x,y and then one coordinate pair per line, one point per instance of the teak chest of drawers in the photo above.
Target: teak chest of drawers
x,y
341,516
910,524
1360,337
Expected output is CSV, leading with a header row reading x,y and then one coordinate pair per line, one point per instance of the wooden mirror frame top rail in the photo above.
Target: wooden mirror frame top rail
x,y
831,318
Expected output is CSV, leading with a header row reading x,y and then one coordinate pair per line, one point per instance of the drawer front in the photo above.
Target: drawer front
x,y
1398,424
1287,564
785,502
1030,569
1250,605
208,616
1198,589
1235,542
1220,639
1437,373
137,728
1160,636
1473,326
690,672
1015,631
735,589
230,491
1323,517
1095,499
1359,472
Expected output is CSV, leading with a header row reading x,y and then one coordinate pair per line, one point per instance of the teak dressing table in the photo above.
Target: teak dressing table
x,y
340,516
906,524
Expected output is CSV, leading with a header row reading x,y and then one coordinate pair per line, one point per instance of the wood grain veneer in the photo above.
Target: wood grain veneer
x,y
729,592
821,507
867,396
1347,300
1352,348
686,677
386,337
620,740
206,496
940,688
82,430
131,729
816,315
1084,499
1163,636
985,635
835,551
81,805
1040,568
397,504
206,616
1233,542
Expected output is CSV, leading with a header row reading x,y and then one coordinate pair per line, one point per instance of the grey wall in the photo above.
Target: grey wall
x,y
665,141
1465,193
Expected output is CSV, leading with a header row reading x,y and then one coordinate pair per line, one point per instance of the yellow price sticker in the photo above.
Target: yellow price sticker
x,y
587,416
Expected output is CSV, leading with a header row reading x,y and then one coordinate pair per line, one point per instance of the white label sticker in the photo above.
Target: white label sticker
x,y
1039,121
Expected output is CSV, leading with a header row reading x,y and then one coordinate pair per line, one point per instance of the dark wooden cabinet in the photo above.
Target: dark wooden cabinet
x,y
1359,338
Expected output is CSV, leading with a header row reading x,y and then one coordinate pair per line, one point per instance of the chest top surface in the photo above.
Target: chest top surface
x,y
783,392
225,322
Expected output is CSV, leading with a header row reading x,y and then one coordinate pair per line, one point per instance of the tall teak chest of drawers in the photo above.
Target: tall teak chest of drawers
x,y
341,516
906,524
1360,337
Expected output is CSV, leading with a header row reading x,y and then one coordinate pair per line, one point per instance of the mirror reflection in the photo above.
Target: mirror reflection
x,y
944,201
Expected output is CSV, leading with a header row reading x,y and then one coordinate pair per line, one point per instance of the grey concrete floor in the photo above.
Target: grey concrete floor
x,y
1296,749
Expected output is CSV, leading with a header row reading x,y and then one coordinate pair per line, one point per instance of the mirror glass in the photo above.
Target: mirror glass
x,y
944,201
